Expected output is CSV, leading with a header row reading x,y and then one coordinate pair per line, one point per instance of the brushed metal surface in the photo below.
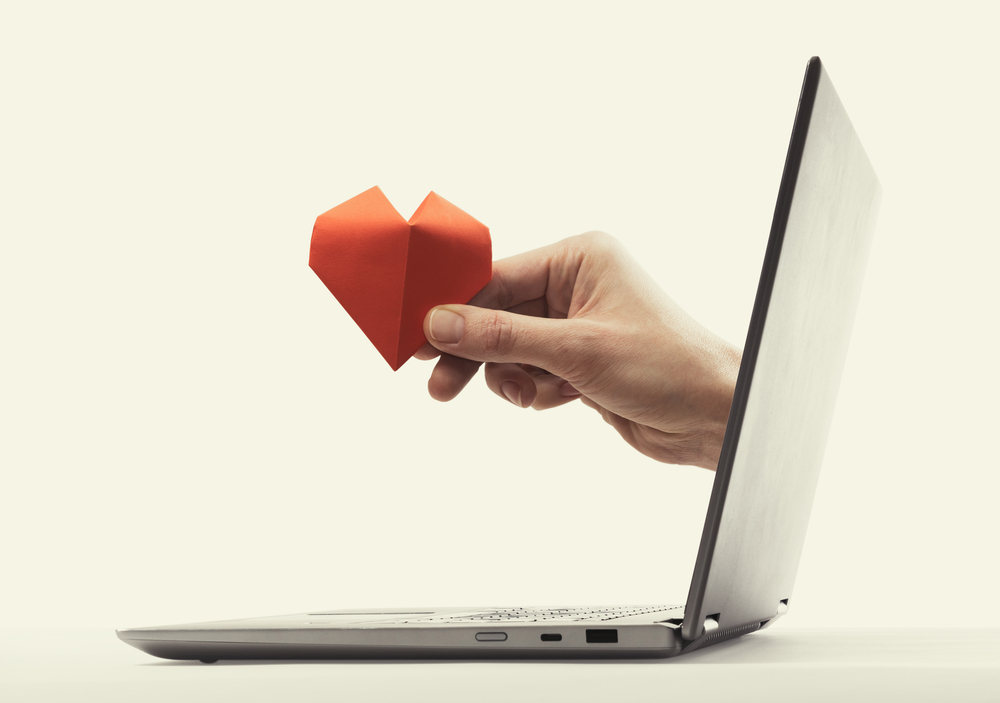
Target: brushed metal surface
x,y
793,360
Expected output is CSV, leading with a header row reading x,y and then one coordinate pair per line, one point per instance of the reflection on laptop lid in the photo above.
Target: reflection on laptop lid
x,y
813,268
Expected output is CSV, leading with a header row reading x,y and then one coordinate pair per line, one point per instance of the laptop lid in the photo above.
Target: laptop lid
x,y
787,386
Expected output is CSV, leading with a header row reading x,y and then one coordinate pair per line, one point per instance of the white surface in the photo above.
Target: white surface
x,y
775,665
193,429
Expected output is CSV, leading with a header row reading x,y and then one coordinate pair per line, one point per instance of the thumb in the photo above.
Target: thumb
x,y
481,334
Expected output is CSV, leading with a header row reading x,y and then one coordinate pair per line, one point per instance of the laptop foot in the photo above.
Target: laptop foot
x,y
208,661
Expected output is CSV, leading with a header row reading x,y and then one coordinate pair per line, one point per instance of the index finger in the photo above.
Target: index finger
x,y
543,273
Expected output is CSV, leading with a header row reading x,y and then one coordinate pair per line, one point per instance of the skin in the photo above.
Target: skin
x,y
580,320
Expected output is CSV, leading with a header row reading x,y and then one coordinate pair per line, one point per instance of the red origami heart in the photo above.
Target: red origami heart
x,y
388,273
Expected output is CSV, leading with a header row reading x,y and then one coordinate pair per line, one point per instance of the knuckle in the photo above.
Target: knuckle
x,y
498,336
600,248
598,240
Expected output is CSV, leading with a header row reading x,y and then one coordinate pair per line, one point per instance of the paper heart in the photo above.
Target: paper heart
x,y
388,273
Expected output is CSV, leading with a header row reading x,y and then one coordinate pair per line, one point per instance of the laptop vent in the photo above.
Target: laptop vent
x,y
729,634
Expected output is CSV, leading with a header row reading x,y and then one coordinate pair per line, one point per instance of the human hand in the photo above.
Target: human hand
x,y
581,319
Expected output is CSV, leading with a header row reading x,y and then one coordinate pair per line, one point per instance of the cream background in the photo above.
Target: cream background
x,y
193,429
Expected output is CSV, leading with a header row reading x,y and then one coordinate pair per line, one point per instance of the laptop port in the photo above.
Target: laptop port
x,y
602,636
551,638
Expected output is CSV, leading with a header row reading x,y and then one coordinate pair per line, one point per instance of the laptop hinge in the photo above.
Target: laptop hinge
x,y
716,635
711,633
782,609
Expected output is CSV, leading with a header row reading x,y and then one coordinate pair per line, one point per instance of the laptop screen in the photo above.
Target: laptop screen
x,y
793,359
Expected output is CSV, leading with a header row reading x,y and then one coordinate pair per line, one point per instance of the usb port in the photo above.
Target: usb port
x,y
602,636
551,638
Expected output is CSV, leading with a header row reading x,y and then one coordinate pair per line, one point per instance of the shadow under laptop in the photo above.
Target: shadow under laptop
x,y
744,650
849,647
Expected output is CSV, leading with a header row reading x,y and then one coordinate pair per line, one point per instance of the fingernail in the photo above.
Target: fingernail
x,y
568,390
446,327
512,391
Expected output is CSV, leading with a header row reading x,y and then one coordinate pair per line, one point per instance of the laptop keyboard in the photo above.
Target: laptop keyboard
x,y
503,615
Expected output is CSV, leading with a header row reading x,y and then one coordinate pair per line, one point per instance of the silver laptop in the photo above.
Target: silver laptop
x,y
816,255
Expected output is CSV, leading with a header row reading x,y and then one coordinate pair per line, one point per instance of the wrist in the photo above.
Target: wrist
x,y
721,378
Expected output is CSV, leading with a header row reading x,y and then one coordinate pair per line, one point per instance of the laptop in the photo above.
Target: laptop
x,y
782,407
